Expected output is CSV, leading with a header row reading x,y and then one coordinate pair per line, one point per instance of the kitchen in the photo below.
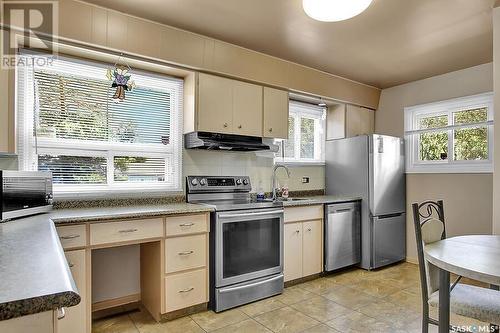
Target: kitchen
x,y
184,182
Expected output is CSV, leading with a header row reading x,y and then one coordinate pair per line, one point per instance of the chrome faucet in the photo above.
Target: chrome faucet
x,y
276,167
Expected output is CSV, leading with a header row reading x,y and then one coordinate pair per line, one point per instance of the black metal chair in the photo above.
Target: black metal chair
x,y
469,301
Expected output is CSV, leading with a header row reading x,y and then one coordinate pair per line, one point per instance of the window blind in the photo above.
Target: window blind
x,y
70,125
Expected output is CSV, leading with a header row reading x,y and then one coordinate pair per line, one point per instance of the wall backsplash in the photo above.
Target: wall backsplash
x,y
259,168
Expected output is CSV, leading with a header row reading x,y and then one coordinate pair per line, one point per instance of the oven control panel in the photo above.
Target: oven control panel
x,y
218,184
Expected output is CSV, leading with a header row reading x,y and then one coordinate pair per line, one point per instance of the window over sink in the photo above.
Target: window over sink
x,y
306,135
69,124
450,136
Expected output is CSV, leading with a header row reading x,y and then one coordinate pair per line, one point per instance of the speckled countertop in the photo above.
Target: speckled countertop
x,y
96,214
34,274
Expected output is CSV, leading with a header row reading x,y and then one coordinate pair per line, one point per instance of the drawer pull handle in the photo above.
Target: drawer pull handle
x,y
186,225
70,264
186,253
128,230
297,231
61,313
186,290
69,237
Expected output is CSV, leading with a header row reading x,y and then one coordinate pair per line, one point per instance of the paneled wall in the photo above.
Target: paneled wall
x,y
106,28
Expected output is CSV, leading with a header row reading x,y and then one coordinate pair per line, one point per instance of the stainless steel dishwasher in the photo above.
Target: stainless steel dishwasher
x,y
342,235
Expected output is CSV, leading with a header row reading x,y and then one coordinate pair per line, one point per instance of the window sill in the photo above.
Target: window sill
x,y
115,194
450,169
299,164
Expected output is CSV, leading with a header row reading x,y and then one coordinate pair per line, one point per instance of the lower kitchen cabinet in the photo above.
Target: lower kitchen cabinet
x,y
75,320
303,242
293,251
185,289
312,247
43,322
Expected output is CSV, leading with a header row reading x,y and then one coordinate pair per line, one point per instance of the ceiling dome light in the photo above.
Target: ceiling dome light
x,y
334,10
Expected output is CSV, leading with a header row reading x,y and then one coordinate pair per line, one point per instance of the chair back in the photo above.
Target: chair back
x,y
428,218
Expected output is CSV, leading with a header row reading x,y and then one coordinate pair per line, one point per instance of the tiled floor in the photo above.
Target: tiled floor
x,y
386,300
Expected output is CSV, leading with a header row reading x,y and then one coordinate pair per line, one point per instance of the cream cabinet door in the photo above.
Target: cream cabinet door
x,y
275,113
75,320
215,104
312,247
43,322
359,121
247,109
292,251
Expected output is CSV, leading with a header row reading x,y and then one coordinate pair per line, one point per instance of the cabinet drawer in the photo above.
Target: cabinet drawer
x,y
187,252
189,224
113,232
72,236
185,289
303,213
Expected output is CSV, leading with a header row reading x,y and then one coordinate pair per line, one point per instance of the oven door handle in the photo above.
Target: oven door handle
x,y
252,214
226,290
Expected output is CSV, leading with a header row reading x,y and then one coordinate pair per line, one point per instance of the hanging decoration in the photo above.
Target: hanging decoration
x,y
120,75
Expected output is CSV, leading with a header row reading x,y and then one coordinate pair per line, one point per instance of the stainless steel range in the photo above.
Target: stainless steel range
x,y
246,241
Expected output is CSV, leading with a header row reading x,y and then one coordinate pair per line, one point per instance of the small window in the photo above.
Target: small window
x,y
450,136
306,135
69,124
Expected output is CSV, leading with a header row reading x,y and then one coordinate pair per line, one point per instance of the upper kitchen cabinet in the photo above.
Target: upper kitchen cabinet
x,y
344,121
247,109
359,121
215,104
229,106
275,113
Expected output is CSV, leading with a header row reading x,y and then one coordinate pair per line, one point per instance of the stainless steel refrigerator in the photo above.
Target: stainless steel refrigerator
x,y
372,167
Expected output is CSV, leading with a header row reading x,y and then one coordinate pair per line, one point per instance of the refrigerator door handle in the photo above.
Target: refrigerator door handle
x,y
387,216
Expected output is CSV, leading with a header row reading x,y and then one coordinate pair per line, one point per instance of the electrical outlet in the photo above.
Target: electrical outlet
x,y
305,180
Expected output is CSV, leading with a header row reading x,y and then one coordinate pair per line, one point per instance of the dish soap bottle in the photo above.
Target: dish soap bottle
x,y
260,192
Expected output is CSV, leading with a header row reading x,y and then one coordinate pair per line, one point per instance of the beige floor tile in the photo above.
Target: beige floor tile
x,y
375,288
181,325
350,298
211,321
396,315
321,308
406,299
320,329
246,326
260,307
115,324
292,295
286,320
319,286
356,322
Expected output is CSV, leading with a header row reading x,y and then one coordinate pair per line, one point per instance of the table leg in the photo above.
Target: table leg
x,y
444,301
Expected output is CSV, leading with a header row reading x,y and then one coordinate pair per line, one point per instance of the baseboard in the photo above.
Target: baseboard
x,y
412,260
111,303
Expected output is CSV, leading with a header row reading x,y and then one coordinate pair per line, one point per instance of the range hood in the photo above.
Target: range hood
x,y
217,141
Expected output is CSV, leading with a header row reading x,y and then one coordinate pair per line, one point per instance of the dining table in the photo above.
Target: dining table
x,y
476,257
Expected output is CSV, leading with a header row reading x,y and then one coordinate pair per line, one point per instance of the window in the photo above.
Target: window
x,y
306,134
450,136
69,124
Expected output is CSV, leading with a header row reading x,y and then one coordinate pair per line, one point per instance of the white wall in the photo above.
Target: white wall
x,y
467,197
